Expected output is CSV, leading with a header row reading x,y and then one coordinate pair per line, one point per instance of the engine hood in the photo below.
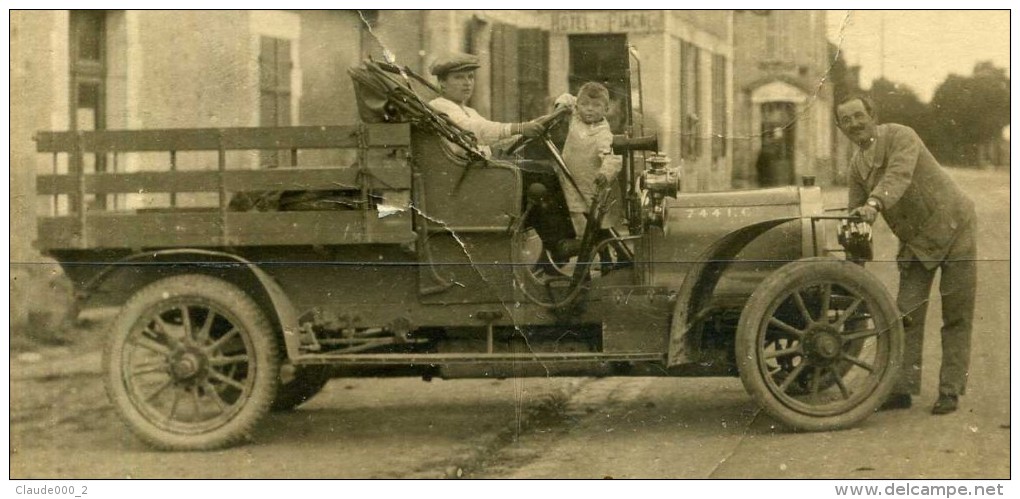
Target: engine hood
x,y
695,221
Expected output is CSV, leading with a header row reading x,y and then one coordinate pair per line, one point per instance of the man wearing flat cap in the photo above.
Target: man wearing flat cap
x,y
456,75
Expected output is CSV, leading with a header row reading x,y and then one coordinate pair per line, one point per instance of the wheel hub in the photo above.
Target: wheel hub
x,y
187,365
823,345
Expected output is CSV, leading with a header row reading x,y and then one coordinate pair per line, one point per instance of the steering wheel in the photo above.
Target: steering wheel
x,y
547,122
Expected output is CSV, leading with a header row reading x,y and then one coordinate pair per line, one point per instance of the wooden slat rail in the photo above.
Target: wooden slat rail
x,y
219,226
283,179
212,139
204,229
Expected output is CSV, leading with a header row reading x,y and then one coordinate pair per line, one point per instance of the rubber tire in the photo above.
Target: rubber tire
x,y
265,362
776,285
307,382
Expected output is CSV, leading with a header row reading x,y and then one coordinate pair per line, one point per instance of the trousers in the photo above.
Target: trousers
x,y
957,286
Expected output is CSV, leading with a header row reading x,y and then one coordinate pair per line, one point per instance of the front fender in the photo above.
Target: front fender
x,y
708,240
700,282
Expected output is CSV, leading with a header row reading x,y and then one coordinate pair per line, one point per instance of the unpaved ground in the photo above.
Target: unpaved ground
x,y
63,426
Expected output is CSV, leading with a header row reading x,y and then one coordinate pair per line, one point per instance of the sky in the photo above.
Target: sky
x,y
921,47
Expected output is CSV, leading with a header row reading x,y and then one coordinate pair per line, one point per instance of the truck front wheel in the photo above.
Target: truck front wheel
x,y
191,363
819,344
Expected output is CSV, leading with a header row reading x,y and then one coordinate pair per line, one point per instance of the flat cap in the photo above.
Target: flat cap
x,y
454,62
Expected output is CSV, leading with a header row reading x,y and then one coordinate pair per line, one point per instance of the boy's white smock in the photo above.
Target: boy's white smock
x,y
588,152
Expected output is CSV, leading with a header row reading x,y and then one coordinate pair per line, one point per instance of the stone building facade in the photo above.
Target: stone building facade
x,y
783,127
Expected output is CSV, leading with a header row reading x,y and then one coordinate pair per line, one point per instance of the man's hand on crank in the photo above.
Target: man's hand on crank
x,y
867,213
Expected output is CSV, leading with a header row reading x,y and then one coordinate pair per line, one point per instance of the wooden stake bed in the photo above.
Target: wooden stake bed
x,y
218,226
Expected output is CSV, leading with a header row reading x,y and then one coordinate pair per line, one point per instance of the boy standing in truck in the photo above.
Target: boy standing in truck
x,y
588,156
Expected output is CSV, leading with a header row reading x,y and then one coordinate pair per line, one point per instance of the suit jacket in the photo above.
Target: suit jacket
x,y
922,205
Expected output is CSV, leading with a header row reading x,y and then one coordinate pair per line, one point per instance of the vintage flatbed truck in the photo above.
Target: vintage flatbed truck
x,y
422,257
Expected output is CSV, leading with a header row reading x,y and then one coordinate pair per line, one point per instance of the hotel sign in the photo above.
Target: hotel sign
x,y
647,21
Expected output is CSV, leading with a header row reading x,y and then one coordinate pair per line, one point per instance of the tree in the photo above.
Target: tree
x,y
844,77
968,112
897,103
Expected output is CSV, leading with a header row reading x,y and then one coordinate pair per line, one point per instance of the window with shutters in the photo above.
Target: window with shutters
x,y
690,102
275,67
87,105
720,120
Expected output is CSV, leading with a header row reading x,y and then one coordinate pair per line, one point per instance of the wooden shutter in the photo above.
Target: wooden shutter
x,y
274,81
505,92
690,102
533,72
274,89
88,87
719,99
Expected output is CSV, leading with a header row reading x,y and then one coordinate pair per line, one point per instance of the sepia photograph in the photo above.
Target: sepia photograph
x,y
511,244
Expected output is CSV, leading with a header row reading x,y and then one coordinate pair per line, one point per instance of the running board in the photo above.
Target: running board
x,y
436,359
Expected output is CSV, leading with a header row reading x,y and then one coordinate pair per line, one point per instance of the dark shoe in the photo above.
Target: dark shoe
x,y
566,249
896,401
945,404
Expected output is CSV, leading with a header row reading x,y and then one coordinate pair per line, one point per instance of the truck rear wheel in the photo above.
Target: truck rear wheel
x,y
191,363
819,344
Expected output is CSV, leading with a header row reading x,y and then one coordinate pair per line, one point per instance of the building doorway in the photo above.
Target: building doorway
x,y
775,164
603,59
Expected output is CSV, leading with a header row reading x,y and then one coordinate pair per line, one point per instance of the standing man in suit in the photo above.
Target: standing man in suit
x,y
894,174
